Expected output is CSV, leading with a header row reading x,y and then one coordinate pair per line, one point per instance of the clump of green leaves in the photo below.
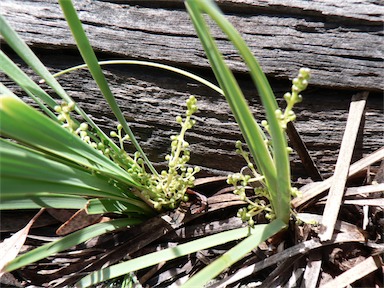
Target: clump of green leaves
x,y
249,178
162,191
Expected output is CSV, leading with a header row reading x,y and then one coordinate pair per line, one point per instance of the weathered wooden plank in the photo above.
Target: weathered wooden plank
x,y
346,11
151,99
341,43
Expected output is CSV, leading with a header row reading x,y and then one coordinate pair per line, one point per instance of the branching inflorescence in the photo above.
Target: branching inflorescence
x,y
163,191
249,178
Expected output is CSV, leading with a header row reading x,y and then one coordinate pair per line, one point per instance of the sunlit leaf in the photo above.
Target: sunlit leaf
x,y
68,242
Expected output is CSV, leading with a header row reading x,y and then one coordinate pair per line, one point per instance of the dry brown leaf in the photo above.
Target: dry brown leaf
x,y
78,221
11,246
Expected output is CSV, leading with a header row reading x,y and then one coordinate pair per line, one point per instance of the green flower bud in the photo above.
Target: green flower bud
x,y
287,96
65,109
296,82
295,89
157,205
71,106
299,98
278,114
179,119
305,73
57,108
83,126
264,123
185,158
83,134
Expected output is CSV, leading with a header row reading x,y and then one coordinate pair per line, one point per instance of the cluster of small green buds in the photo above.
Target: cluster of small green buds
x,y
243,182
64,110
169,188
247,214
119,136
191,106
163,191
299,84
239,181
82,131
135,165
248,179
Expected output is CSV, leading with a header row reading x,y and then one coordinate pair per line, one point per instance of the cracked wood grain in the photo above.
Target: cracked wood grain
x,y
339,42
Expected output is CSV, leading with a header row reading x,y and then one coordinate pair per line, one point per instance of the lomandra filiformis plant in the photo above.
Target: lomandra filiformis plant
x,y
55,161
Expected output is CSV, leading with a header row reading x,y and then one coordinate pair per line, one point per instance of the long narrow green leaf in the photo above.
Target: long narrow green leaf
x,y
26,173
39,200
90,59
22,79
234,96
105,205
16,188
168,254
22,49
235,254
30,87
5,90
25,124
68,242
26,164
276,172
25,53
279,142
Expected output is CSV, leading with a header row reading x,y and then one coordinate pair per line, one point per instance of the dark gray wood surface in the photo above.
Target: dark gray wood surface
x,y
341,43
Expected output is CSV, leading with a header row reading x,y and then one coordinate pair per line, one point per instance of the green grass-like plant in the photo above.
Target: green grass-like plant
x,y
54,161
68,164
